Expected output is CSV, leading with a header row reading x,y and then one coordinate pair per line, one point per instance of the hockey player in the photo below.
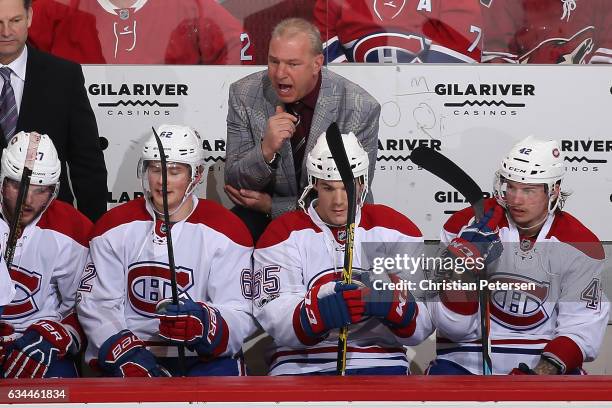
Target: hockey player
x,y
400,31
40,332
299,298
548,312
140,32
129,335
547,31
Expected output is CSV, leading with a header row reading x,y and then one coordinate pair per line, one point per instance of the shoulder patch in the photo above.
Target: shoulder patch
x,y
281,228
566,228
378,215
134,210
67,220
222,220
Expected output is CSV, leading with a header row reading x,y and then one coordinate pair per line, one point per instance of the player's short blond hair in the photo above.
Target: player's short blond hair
x,y
290,27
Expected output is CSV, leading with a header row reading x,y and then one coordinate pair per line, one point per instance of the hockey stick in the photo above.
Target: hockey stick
x,y
441,166
24,186
169,247
336,147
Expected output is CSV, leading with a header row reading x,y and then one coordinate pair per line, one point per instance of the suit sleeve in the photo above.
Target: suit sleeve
x,y
245,166
84,155
102,295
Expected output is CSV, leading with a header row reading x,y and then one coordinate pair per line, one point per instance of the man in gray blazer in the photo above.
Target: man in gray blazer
x,y
275,117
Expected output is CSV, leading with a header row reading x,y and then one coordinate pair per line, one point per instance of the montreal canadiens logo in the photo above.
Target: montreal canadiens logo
x,y
27,284
519,310
149,282
388,47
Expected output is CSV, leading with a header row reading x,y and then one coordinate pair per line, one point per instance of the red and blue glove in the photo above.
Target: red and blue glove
x,y
395,308
195,325
31,355
522,369
330,306
7,337
125,355
481,239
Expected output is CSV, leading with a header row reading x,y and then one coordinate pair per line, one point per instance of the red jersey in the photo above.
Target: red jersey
x,y
149,32
400,30
547,31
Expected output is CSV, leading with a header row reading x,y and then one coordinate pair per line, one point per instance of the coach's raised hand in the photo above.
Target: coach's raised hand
x,y
281,126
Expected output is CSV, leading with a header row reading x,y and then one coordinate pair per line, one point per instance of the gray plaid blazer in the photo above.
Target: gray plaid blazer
x,y
252,100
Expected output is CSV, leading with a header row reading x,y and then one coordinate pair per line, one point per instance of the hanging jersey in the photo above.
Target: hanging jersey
x,y
298,251
547,31
397,31
149,32
128,273
559,310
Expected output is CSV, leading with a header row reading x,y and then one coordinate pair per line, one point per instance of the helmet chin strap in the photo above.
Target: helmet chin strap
x,y
537,224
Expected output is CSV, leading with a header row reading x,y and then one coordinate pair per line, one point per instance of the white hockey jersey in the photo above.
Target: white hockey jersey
x,y
49,258
564,313
298,251
129,273
7,287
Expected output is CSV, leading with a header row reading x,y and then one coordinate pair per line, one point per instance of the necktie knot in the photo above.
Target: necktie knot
x,y
8,106
5,73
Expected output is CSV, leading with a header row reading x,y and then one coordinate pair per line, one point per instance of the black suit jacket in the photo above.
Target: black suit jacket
x,y
55,102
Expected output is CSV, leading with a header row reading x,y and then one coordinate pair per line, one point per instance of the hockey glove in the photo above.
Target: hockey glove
x,y
523,369
125,355
31,355
480,240
7,337
196,325
330,306
395,308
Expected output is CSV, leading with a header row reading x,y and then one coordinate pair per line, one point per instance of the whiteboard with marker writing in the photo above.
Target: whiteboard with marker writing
x,y
471,113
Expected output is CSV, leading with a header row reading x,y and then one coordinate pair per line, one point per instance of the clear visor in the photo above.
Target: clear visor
x,y
182,181
38,199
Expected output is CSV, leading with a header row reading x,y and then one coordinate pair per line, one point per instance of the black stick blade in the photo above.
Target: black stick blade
x,y
441,166
336,147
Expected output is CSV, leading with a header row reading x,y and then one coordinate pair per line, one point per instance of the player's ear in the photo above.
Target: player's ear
x,y
318,63
29,14
199,174
556,190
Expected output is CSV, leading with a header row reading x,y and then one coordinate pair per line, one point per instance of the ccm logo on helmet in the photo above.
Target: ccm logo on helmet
x,y
149,282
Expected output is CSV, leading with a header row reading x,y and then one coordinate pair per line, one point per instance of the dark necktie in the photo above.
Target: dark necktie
x,y
8,106
298,140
